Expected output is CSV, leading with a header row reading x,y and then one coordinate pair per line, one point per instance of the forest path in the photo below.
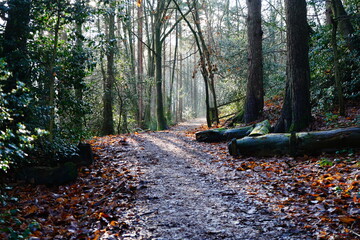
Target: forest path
x,y
183,195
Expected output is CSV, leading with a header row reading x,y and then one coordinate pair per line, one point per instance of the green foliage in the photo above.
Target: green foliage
x,y
27,109
323,91
15,138
324,162
68,62
321,62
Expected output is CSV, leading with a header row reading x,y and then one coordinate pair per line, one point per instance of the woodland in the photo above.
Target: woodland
x,y
78,76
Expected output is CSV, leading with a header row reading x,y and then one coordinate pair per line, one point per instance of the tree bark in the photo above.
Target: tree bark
x,y
261,128
218,135
170,101
296,111
161,121
149,27
131,56
338,85
52,73
301,143
108,120
255,91
140,67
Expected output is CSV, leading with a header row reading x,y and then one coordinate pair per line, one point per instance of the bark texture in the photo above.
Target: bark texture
x,y
261,128
108,121
161,120
255,92
219,135
296,112
308,143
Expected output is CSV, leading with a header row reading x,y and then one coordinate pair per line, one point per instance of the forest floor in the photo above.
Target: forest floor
x,y
165,185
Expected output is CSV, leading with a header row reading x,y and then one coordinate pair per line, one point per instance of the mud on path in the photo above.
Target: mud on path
x,y
183,194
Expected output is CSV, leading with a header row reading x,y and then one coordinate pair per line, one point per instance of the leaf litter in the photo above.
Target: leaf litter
x,y
164,185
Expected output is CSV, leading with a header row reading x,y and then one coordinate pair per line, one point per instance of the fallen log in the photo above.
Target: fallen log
x,y
261,128
218,135
295,144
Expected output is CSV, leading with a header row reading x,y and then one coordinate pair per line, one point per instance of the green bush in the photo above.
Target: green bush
x,y
15,138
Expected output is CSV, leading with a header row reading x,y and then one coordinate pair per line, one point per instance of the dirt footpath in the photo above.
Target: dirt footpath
x,y
183,195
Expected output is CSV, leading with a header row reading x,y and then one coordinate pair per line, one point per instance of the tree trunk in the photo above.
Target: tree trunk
x,y
108,120
195,88
181,89
308,143
140,67
296,112
52,73
161,121
255,91
170,102
338,85
149,27
131,56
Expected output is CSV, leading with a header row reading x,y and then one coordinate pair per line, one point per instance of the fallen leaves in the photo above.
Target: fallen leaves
x,y
90,208
322,198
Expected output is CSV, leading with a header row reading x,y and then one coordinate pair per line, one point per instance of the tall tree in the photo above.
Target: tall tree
x,y
159,22
149,28
51,72
108,121
172,77
160,35
255,91
140,64
337,70
296,111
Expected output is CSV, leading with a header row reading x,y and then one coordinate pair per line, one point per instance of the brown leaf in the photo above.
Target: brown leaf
x,y
347,220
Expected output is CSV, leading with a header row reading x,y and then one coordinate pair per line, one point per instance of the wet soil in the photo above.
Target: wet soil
x,y
183,194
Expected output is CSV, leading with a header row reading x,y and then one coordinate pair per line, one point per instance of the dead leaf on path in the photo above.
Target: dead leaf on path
x,y
31,210
347,220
